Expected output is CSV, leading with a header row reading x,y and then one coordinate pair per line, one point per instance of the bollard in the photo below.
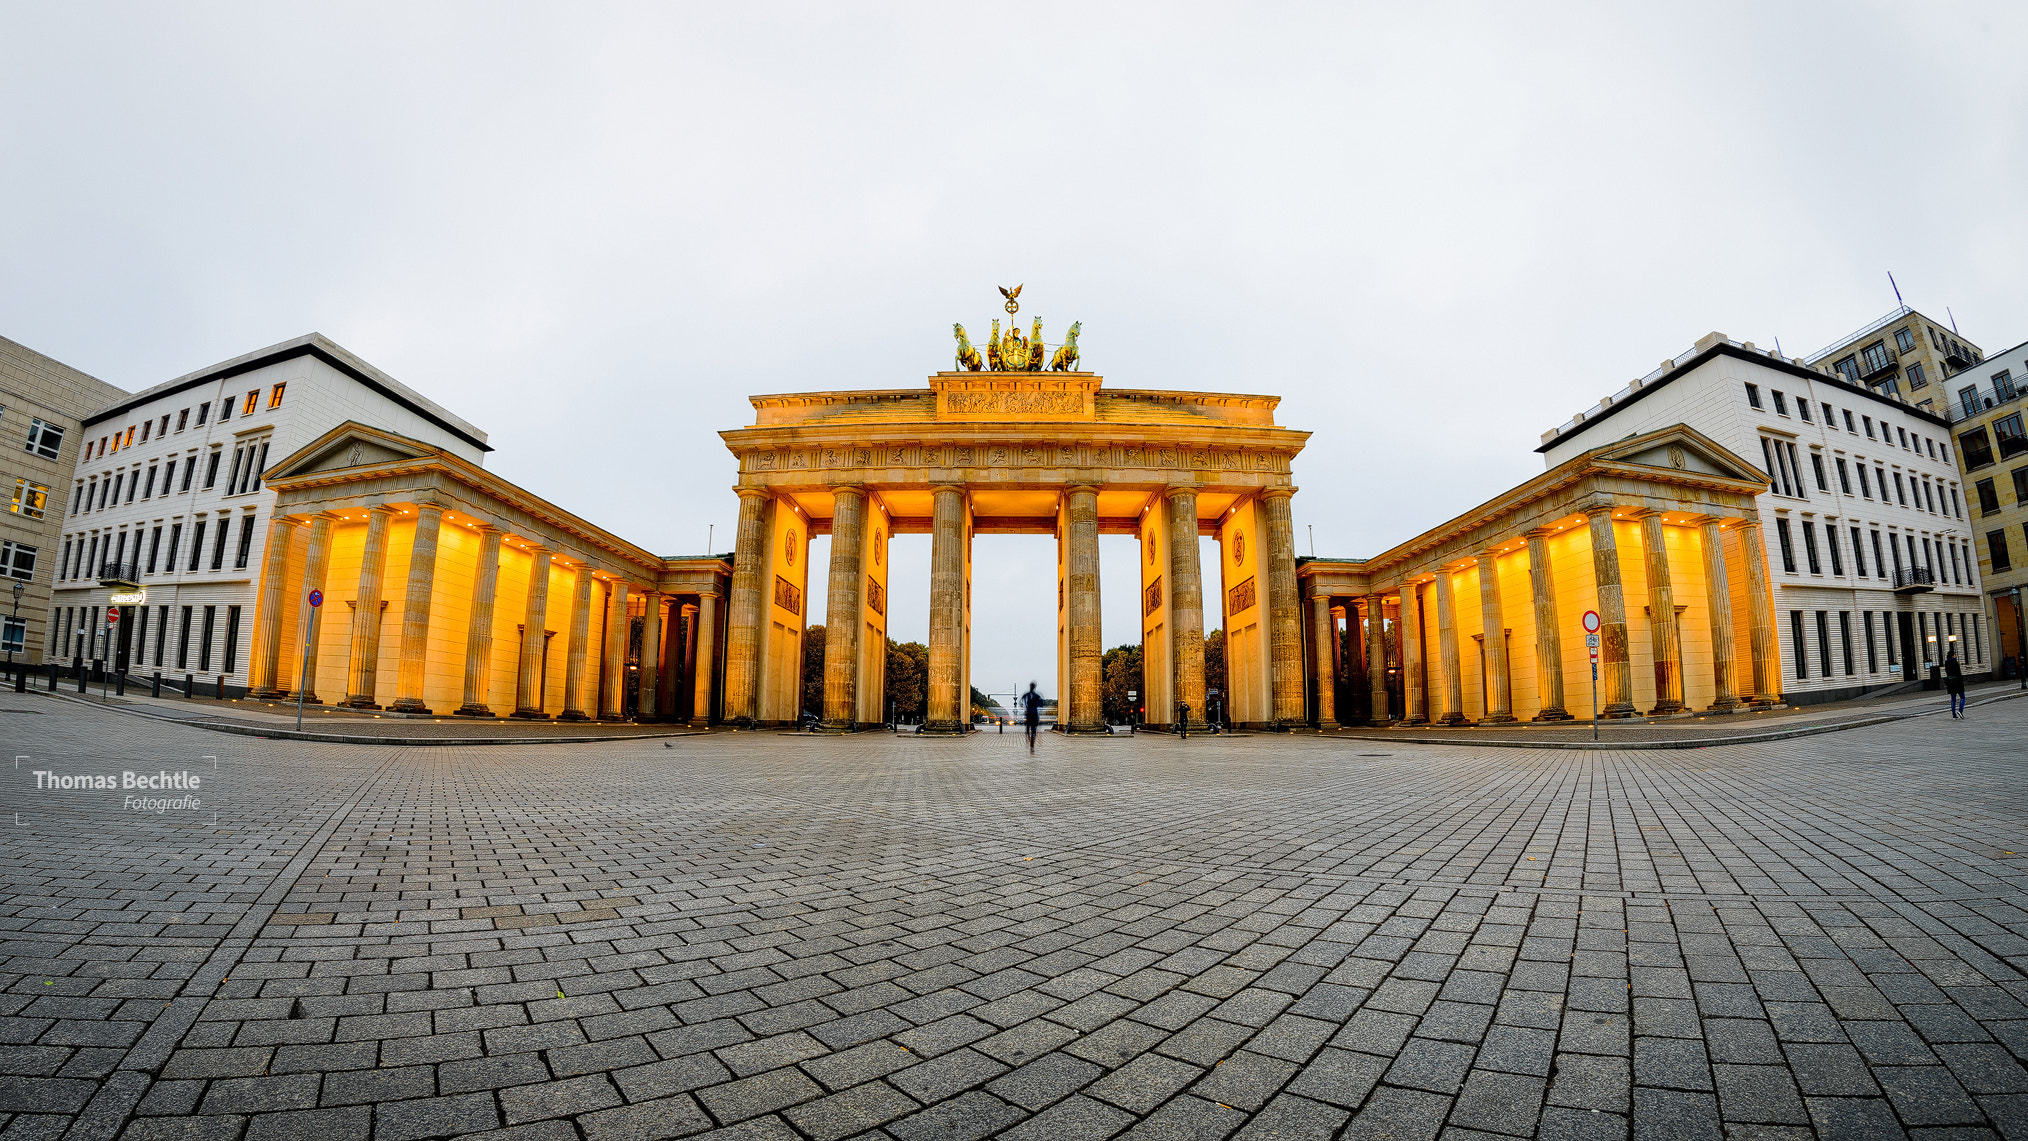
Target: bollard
x,y
189,685
221,687
53,668
83,679
120,682
155,686
21,680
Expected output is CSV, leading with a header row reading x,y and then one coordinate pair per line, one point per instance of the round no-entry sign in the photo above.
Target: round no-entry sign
x,y
113,616
1591,621
316,598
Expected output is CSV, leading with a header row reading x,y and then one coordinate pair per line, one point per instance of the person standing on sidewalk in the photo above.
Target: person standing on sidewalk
x,y
1031,713
1954,681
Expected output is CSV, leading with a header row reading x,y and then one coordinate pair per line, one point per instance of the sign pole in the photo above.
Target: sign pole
x,y
302,683
1591,627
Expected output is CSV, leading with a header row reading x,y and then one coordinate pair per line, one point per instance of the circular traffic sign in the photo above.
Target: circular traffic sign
x,y
1591,621
113,616
316,598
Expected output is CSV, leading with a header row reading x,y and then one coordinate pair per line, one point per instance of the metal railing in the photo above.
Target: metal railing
x,y
1855,334
1914,576
112,570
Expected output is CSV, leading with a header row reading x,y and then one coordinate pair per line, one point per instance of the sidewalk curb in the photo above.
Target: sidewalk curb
x,y
354,739
1461,737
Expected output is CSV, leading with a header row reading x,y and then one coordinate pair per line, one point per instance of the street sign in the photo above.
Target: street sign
x,y
1132,694
1591,621
316,598
112,617
1591,640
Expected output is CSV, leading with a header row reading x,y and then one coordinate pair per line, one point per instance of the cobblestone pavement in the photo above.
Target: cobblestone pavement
x,y
764,936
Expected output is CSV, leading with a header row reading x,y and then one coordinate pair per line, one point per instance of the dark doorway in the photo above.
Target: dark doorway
x,y
1911,653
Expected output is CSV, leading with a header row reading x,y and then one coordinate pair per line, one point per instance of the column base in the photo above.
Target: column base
x,y
1324,726
358,701
944,729
473,710
573,715
1453,720
409,706
1379,722
310,698
1667,709
1618,712
1413,721
529,715
268,693
1083,730
1501,717
1726,703
1554,713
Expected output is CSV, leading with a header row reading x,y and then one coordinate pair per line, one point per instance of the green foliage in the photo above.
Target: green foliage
x,y
1121,675
983,706
1214,676
908,679
813,670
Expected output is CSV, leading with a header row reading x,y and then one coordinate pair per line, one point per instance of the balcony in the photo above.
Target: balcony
x,y
127,574
1875,365
1914,580
1959,357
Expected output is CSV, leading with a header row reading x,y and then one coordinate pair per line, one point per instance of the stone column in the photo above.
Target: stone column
x,y
1760,619
479,630
528,679
689,668
670,670
844,617
365,656
1493,629
1662,619
1408,635
948,702
1322,631
579,651
415,610
702,682
1284,610
743,634
315,563
1081,612
648,690
1376,658
1548,630
613,687
1447,653
1614,669
1718,601
1186,604
264,664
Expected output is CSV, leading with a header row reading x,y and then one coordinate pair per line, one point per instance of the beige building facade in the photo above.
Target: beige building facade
x,y
1989,408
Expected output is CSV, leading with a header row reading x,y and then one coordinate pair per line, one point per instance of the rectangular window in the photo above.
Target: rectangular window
x,y
1956,576
162,429
118,481
2021,487
197,546
1903,433
169,477
1904,340
1796,465
1831,545
154,547
232,477
1810,546
1823,644
31,500
103,485
1875,356
275,395
1928,556
1774,483
1887,636
253,401
1968,399
92,560
1753,395
224,410
1803,408
1830,417
1858,554
232,635
161,631
1978,643
150,492
1868,420
211,468
260,468
1865,485
182,419
1802,651
45,440
246,528
17,560
141,630
1929,495
218,544
1900,489
203,410
1817,464
189,469
1922,638
1788,548
1916,379
183,642
1844,640
77,497
1849,425
14,635
63,562
1781,402
1848,368
204,640
1872,656
175,540
2008,436
1844,476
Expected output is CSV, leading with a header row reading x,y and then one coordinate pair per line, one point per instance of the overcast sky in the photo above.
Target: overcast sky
x,y
1435,231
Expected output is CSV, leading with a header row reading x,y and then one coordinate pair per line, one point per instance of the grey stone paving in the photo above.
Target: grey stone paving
x,y
764,936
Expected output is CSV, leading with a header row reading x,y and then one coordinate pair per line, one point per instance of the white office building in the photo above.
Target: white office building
x,y
1872,563
168,516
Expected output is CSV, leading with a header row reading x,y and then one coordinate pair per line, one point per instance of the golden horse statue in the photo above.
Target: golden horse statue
x,y
1066,356
993,361
968,357
1037,351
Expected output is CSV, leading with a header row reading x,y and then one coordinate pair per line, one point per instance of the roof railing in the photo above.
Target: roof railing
x,y
1841,342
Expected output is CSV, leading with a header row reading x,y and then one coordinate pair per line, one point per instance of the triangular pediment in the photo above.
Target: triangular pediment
x,y
349,445
1679,447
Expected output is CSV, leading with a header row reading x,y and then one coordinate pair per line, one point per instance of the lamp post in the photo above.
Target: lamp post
x,y
2020,629
20,588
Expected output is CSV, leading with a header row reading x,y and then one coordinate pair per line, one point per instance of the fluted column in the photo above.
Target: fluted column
x,y
534,637
1718,607
1493,629
619,631
748,619
1614,669
579,651
1322,632
1760,620
315,565
415,610
648,693
1662,640
1408,635
1548,629
844,617
1081,612
1376,659
1447,653
1285,632
1186,604
707,659
688,651
479,630
365,656
264,664
948,704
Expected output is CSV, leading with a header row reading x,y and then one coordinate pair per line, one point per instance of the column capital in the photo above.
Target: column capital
x,y
948,486
1277,492
842,488
382,508
1538,533
1490,554
753,492
1599,508
423,505
1177,490
1073,488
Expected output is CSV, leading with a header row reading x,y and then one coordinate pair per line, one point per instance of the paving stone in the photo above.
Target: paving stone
x,y
352,1123
1499,1103
1044,1081
434,1117
645,1121
1146,1082
974,1115
762,1093
1398,1115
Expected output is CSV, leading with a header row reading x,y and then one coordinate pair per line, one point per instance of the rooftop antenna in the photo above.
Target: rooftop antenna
x,y
710,533
1778,348
1313,538
1897,290
1954,320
